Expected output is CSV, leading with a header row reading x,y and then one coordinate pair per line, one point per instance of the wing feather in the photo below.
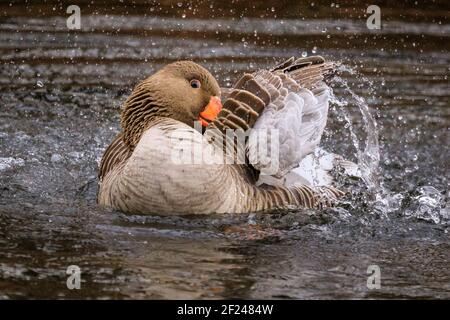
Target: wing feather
x,y
298,109
116,154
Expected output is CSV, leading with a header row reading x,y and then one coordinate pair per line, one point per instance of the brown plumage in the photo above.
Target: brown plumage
x,y
136,171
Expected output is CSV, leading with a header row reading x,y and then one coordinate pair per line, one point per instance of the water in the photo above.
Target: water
x,y
369,157
60,97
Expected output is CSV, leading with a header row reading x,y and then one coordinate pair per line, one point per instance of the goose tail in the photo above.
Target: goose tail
x,y
316,170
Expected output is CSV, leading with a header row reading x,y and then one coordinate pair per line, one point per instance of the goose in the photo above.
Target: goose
x,y
180,106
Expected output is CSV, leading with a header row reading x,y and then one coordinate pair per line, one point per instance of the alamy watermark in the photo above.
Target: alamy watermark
x,y
257,147
74,279
74,20
374,280
374,20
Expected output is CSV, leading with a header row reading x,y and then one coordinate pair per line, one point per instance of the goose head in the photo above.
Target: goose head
x,y
184,91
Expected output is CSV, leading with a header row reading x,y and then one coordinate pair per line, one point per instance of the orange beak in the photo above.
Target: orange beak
x,y
211,111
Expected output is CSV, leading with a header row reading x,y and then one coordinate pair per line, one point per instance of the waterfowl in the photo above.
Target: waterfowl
x,y
138,173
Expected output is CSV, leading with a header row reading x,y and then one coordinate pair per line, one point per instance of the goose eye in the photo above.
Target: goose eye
x,y
195,84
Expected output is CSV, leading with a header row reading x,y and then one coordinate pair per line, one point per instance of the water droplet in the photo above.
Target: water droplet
x,y
40,84
427,205
56,158
304,54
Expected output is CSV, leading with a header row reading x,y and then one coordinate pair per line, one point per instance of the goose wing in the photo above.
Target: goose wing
x,y
287,104
116,154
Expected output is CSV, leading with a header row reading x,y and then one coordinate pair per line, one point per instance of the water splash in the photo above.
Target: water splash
x,y
368,158
425,202
367,152
429,205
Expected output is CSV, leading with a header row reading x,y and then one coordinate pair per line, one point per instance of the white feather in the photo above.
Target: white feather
x,y
314,170
295,157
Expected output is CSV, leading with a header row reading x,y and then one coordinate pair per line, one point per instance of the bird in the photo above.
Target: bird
x,y
181,108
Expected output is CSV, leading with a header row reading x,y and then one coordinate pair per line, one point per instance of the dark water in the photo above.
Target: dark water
x,y
60,97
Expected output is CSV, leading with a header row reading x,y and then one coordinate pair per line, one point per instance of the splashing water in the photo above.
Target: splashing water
x,y
369,157
381,199
426,203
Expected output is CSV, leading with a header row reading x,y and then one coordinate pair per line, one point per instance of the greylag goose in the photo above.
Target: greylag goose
x,y
139,173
